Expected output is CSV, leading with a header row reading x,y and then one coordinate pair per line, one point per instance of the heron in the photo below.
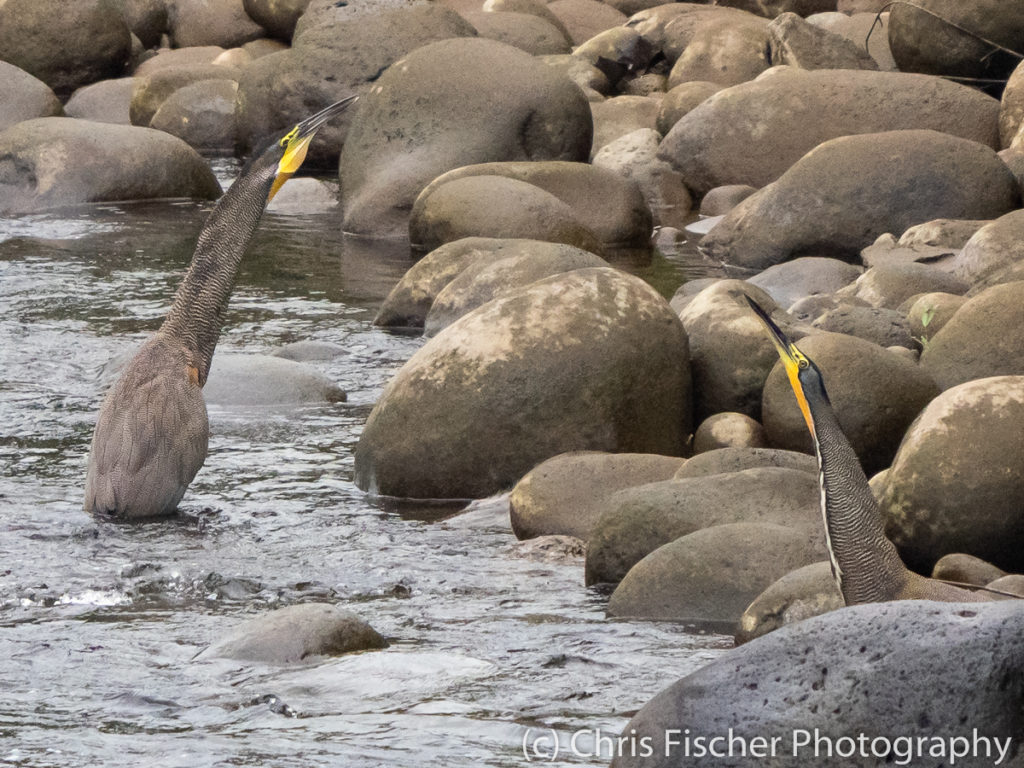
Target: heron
x,y
152,431
865,564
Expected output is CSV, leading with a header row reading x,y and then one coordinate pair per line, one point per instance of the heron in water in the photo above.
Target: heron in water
x,y
865,564
152,431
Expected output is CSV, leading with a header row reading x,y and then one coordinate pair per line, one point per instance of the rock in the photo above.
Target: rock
x,y
725,49
1008,586
886,251
651,23
589,78
993,252
841,196
729,353
583,374
1011,111
985,337
387,160
51,162
861,6
884,327
524,31
534,7
477,200
636,521
263,47
720,200
872,669
166,58
564,494
107,101
486,279
809,309
338,51
586,18
147,19
24,97
260,380
550,549
617,52
202,114
713,574
890,285
310,350
64,45
791,281
634,156
808,591
754,132
930,312
966,569
683,26
621,115
297,633
648,84
200,22
949,38
278,17
722,460
728,430
954,484
798,43
947,233
774,8
305,196
856,28
151,91
875,394
681,100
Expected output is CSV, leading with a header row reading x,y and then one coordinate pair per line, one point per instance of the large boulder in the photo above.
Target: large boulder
x,y
713,574
726,49
791,281
636,521
337,51
737,459
728,430
808,591
147,19
525,31
798,43
985,337
108,101
65,45
1011,110
864,30
955,484
994,254
424,118
879,682
586,18
620,116
152,90
564,495
751,133
842,195
201,114
172,58
875,394
278,17
24,97
592,359
887,286
57,161
200,22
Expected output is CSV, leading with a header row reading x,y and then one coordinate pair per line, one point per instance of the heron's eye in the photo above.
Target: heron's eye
x,y
802,363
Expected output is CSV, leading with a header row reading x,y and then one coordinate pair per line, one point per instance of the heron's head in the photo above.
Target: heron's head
x,y
290,150
804,376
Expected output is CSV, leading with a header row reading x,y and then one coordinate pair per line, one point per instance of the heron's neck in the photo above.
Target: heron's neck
x,y
197,312
865,563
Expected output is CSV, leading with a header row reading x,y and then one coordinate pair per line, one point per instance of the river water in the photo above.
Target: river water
x,y
100,621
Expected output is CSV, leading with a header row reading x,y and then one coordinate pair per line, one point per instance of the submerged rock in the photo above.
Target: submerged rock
x,y
246,380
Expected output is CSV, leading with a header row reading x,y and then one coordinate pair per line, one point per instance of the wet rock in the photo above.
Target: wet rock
x,y
66,45
713,574
387,162
586,18
310,350
875,394
855,28
726,49
985,337
550,549
484,280
728,430
278,17
798,43
966,569
304,196
841,196
201,114
635,156
559,366
107,101
255,380
791,281
800,594
199,22
954,484
564,495
993,253
297,633
524,31
57,161
147,19
871,669
948,233
152,90
753,133
617,52
681,100
884,327
946,37
729,353
930,312
636,521
721,460
24,97
477,200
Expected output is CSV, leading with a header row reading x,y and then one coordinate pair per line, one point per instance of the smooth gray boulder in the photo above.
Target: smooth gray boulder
x,y
525,31
266,380
808,591
795,42
929,312
725,49
24,96
422,119
994,253
728,430
966,569
592,359
58,161
202,115
108,101
152,90
682,99
855,27
888,286
278,17
586,18
200,22
884,327
752,133
147,19
620,116
899,671
721,460
791,281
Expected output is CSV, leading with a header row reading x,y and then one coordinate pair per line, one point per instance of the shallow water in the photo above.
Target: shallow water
x,y
99,621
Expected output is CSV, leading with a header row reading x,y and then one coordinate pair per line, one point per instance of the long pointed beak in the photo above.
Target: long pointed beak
x,y
310,125
298,140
